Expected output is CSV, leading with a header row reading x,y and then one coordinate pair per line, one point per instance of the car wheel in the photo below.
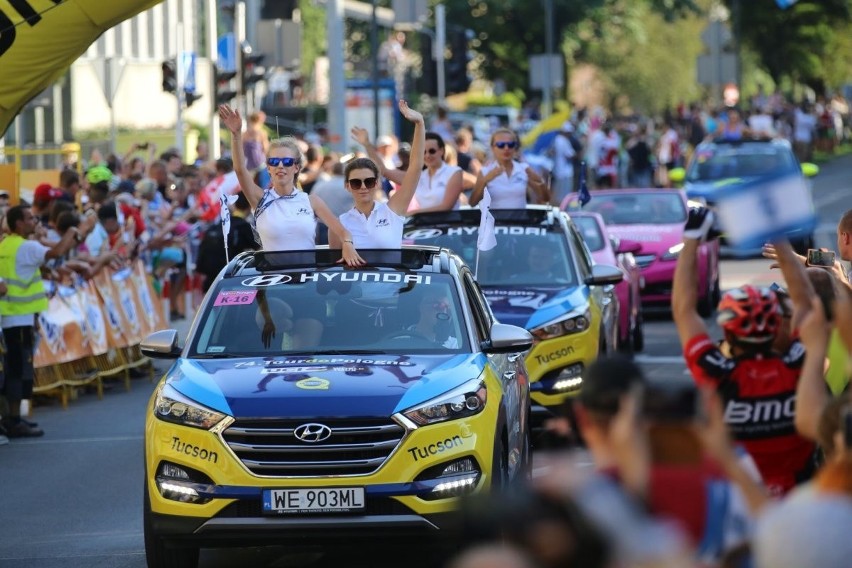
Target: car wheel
x,y
638,338
158,552
500,466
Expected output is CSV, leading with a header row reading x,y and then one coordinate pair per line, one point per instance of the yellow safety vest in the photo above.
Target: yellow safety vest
x,y
23,296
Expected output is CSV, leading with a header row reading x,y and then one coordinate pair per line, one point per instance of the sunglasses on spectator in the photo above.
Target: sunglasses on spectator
x,y
275,162
503,145
431,150
369,183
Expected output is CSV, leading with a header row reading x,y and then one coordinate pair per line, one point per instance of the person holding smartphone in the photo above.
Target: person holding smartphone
x,y
374,224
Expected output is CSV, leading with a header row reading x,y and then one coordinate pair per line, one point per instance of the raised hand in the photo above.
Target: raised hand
x,y
268,333
360,135
494,173
231,118
409,113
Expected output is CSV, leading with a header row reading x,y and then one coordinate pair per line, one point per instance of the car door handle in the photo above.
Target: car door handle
x,y
513,357
509,375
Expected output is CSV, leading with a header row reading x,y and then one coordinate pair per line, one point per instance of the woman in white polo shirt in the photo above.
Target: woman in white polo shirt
x,y
440,183
374,224
506,178
284,214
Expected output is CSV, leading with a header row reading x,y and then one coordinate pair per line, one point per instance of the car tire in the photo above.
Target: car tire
x,y
158,551
638,338
500,466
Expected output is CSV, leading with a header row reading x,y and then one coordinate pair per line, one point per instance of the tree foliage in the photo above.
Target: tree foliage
x,y
796,43
508,32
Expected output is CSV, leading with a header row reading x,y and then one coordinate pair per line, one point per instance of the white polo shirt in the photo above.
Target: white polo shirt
x,y
286,222
508,192
431,189
381,230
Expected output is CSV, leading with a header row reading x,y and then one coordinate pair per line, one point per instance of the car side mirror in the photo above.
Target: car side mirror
x,y
603,274
810,170
677,175
507,338
626,246
161,344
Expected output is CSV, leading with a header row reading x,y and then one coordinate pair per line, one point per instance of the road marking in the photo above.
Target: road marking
x,y
660,359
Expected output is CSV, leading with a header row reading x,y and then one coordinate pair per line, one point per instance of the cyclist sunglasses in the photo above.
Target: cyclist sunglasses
x,y
503,145
369,183
275,162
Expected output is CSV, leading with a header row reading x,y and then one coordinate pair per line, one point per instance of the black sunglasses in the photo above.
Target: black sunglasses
x,y
275,162
431,150
369,183
503,145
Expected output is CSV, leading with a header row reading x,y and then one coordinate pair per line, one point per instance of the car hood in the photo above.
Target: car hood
x,y
655,239
321,386
529,307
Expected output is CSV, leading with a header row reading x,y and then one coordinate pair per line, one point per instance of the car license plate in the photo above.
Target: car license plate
x,y
319,500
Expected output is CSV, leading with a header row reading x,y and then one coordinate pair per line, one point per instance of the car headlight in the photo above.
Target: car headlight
x,y
461,402
172,406
673,252
573,323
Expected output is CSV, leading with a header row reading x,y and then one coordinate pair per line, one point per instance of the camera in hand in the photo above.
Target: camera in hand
x,y
818,257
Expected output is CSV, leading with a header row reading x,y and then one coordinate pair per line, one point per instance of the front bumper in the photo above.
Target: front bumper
x,y
550,363
229,504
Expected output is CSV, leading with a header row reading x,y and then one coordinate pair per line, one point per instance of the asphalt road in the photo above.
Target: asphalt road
x,y
74,497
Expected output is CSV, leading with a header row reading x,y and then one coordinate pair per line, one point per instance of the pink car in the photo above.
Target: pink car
x,y
607,249
654,218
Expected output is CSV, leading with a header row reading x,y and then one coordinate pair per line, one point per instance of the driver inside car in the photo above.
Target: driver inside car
x,y
434,320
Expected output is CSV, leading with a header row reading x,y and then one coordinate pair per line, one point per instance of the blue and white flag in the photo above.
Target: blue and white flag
x,y
585,196
754,211
486,240
225,217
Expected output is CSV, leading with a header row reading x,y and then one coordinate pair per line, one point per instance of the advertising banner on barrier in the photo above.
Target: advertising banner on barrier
x,y
113,310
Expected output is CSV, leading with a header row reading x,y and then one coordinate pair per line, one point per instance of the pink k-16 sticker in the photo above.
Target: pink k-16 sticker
x,y
235,297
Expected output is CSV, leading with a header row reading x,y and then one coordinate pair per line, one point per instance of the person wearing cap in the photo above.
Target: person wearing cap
x,y
563,164
42,198
20,262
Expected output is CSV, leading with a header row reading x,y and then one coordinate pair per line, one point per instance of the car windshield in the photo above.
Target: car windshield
x,y
639,208
332,311
591,232
716,163
524,256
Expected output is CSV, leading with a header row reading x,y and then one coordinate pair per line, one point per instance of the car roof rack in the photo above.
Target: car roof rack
x,y
532,215
408,258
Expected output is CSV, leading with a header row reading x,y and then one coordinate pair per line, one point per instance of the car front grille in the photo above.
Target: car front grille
x,y
270,448
644,260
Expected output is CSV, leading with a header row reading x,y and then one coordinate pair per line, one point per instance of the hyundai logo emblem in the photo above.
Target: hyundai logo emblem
x,y
312,432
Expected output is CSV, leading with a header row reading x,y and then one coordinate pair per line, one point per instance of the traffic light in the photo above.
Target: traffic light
x,y
170,76
456,67
428,81
190,97
250,65
222,86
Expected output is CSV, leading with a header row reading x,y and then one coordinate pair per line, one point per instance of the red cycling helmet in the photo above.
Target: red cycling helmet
x,y
751,314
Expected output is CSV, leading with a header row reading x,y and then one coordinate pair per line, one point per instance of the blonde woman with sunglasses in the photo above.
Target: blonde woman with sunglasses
x,y
374,224
285,216
506,178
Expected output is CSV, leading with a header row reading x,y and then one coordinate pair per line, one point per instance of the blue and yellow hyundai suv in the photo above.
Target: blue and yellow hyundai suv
x,y
539,276
313,403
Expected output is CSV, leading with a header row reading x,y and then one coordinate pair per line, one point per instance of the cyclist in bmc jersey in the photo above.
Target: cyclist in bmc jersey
x,y
757,385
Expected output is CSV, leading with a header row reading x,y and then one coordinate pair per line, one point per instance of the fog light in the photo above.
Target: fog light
x,y
568,384
175,472
456,487
461,466
179,484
